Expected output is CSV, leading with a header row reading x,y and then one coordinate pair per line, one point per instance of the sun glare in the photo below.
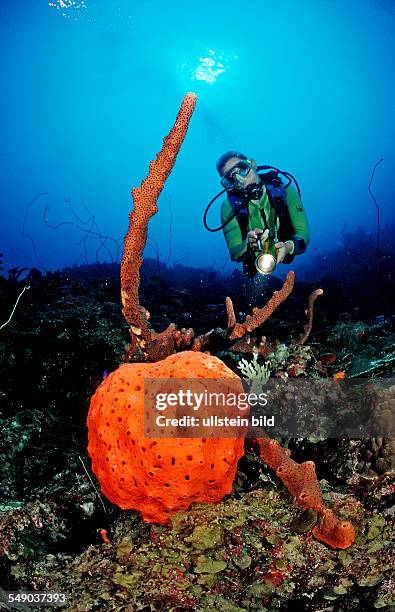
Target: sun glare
x,y
67,7
208,68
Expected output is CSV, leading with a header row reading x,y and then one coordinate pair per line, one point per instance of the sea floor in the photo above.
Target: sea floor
x,y
252,551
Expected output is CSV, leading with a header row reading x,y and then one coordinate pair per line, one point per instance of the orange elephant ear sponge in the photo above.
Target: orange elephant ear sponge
x,y
157,476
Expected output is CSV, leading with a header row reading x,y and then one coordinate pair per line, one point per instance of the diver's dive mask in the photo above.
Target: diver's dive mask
x,y
266,260
229,180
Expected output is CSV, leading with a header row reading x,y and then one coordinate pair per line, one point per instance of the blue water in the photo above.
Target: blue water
x,y
91,88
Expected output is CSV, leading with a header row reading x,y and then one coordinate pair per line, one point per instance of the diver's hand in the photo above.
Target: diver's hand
x,y
283,249
257,234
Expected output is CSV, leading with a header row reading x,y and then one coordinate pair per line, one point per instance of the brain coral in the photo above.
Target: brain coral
x,y
157,476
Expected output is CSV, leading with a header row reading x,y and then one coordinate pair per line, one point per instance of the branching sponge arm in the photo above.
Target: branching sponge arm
x,y
260,315
301,481
145,197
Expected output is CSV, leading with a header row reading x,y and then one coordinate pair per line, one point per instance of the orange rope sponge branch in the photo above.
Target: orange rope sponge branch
x,y
301,481
145,197
260,315
310,313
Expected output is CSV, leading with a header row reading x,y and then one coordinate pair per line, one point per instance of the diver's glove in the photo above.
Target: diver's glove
x,y
256,234
249,256
284,251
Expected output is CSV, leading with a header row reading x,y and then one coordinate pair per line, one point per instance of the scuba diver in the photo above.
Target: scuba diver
x,y
262,218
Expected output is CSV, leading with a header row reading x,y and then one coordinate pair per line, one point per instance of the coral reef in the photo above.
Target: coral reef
x,y
376,457
234,337
237,555
250,551
71,333
114,442
254,371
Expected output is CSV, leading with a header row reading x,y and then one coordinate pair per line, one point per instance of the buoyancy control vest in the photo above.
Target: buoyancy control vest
x,y
276,191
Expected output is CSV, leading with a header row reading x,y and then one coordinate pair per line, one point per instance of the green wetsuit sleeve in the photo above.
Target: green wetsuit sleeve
x,y
235,243
297,215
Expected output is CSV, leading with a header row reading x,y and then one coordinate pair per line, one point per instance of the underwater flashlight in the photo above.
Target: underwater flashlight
x,y
266,261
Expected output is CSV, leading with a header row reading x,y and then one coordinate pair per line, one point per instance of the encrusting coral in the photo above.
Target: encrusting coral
x,y
160,476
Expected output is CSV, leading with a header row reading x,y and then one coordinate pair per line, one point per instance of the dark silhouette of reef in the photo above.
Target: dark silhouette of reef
x,y
360,278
